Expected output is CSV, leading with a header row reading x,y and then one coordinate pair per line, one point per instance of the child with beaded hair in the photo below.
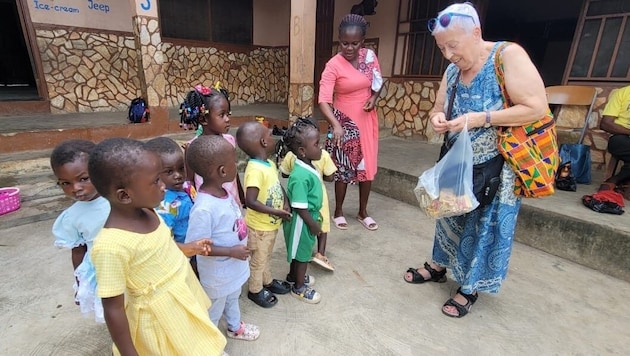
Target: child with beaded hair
x,y
214,120
153,303
304,190
326,168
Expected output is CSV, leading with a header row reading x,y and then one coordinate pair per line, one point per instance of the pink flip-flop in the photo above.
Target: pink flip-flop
x,y
368,223
341,223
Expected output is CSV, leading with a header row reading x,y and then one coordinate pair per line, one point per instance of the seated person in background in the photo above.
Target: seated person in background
x,y
616,121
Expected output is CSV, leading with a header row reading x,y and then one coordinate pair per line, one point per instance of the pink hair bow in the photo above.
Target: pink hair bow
x,y
202,90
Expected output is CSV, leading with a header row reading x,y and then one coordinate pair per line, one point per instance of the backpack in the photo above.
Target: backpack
x,y
138,111
190,110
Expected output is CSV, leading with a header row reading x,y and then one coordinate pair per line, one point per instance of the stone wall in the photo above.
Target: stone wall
x,y
260,75
87,71
404,105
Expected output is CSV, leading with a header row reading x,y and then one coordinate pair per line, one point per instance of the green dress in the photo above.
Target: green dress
x,y
304,190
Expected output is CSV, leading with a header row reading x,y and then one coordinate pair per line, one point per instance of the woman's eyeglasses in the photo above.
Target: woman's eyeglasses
x,y
445,20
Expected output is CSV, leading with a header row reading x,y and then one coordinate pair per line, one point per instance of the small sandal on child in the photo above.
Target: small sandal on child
x,y
462,310
247,332
264,298
417,278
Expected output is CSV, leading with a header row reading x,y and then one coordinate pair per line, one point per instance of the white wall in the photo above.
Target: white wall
x,y
97,14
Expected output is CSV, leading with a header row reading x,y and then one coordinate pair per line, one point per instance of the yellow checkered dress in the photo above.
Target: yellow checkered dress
x,y
166,307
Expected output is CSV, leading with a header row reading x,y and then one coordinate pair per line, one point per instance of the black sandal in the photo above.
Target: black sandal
x,y
264,298
462,310
436,276
278,287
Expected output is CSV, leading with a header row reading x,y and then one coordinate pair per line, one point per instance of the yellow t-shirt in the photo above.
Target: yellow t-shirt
x,y
264,176
325,165
619,106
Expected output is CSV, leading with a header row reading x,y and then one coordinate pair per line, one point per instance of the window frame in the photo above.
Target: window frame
x,y
237,47
589,77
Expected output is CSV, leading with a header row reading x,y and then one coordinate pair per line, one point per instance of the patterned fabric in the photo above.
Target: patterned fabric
x,y
175,210
165,305
477,246
348,157
530,150
368,66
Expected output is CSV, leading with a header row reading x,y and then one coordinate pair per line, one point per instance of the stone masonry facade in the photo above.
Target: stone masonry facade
x,y
87,71
260,75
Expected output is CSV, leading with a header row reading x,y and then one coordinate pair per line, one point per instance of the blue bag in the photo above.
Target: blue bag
x,y
580,158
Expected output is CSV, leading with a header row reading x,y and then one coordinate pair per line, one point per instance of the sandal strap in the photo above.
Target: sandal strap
x,y
471,298
461,309
435,274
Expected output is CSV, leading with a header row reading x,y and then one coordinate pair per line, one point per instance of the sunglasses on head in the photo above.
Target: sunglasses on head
x,y
445,20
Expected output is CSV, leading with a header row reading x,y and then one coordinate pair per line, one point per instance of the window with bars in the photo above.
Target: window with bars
x,y
603,45
416,54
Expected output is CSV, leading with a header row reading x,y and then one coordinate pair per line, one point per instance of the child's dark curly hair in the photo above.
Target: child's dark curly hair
x,y
294,136
113,162
69,151
163,145
207,152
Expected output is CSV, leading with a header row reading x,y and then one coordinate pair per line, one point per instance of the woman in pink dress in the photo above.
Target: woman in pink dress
x,y
350,85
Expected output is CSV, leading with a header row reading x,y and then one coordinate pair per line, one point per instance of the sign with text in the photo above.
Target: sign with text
x,y
97,14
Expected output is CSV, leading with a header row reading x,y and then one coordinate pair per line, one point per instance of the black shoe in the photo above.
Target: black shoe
x,y
279,287
264,298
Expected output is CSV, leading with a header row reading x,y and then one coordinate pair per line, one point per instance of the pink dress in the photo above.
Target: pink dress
x,y
348,89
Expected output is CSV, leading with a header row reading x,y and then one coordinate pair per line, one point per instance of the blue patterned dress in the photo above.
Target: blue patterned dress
x,y
477,246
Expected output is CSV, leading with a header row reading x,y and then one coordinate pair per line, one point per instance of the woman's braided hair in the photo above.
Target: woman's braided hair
x,y
353,20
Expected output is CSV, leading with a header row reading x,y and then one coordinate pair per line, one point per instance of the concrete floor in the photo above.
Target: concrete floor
x,y
548,306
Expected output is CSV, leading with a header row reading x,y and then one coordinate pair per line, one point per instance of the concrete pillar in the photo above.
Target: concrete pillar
x,y
302,57
151,59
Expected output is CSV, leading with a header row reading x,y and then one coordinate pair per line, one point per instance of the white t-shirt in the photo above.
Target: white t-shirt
x,y
219,219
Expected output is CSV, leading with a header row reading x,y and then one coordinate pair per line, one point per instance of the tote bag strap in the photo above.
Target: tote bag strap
x,y
546,121
449,110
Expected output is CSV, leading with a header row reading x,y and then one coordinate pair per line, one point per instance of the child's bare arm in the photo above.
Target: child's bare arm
x,y
118,325
240,252
198,247
78,253
314,227
329,178
251,199
241,194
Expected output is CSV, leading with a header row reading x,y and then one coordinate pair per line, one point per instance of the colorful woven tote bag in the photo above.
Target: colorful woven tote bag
x,y
530,150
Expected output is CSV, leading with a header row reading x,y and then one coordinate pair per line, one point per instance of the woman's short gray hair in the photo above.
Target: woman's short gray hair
x,y
466,23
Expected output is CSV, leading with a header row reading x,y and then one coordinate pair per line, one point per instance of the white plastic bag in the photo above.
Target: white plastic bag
x,y
446,189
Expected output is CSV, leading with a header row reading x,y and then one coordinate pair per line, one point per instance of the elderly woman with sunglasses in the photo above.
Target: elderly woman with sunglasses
x,y
477,246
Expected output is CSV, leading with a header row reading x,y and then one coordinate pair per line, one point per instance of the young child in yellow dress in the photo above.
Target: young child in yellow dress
x,y
326,167
152,301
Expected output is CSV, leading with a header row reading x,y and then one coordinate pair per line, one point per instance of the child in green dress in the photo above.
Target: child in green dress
x,y
304,190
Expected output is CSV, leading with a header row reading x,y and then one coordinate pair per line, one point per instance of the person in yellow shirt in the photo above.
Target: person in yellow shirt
x,y
267,205
616,120
326,167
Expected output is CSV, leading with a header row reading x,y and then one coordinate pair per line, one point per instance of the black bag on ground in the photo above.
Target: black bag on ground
x,y
565,180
